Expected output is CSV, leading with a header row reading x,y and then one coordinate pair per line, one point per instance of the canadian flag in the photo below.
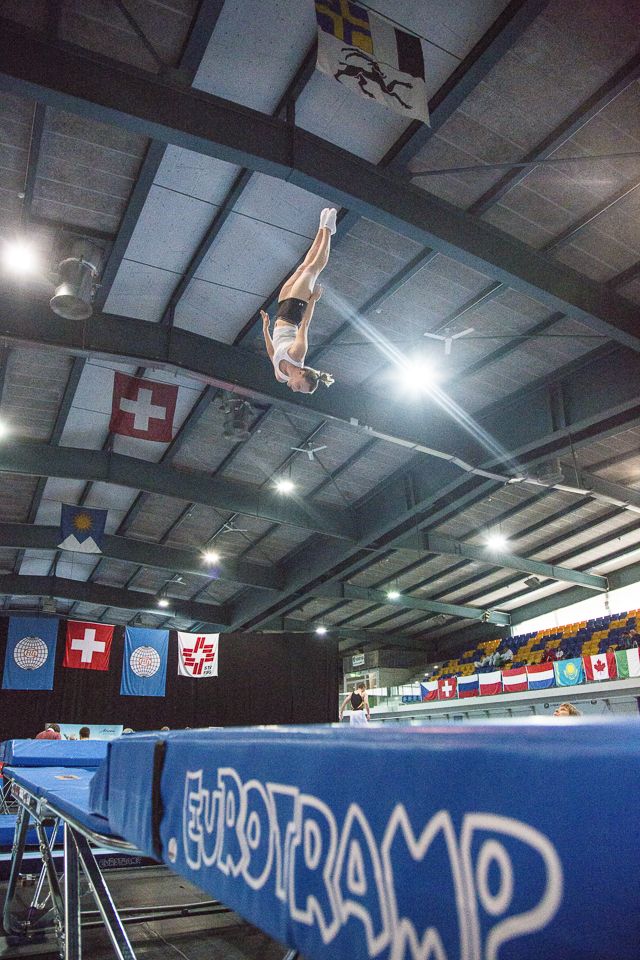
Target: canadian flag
x,y
88,645
198,654
600,666
142,408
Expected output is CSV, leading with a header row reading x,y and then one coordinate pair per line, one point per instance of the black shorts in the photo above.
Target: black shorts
x,y
292,310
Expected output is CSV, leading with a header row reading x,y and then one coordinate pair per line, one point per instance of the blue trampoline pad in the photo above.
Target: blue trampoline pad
x,y
485,839
67,788
50,753
7,831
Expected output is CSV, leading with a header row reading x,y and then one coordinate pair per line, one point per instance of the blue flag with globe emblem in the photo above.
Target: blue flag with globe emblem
x,y
31,654
144,664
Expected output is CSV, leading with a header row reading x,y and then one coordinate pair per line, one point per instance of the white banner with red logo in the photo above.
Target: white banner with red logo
x,y
198,654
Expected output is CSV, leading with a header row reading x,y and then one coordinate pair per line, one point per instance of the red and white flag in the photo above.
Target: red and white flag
x,y
515,680
142,408
88,645
600,666
490,683
198,654
447,688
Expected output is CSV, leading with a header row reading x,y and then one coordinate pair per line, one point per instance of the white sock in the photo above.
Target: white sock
x,y
328,219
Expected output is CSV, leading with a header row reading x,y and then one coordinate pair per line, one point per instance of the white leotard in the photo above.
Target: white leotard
x,y
283,337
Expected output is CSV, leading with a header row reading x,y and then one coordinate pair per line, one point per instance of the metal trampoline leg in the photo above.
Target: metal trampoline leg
x,y
72,927
291,955
104,902
17,851
35,904
52,878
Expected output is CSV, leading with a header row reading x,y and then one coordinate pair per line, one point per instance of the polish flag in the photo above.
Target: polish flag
x,y
490,683
514,680
600,666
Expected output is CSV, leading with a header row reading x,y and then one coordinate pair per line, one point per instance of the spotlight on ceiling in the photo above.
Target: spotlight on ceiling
x,y
393,594
77,274
210,557
285,485
163,602
416,375
4,430
533,582
20,257
497,541
321,631
237,418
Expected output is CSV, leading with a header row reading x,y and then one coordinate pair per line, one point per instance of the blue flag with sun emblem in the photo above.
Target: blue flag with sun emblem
x,y
31,654
569,672
144,664
82,529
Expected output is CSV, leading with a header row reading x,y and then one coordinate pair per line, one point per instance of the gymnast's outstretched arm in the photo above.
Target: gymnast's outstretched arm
x,y
265,333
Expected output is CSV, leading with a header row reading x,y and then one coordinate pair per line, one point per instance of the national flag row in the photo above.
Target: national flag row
x,y
31,653
620,665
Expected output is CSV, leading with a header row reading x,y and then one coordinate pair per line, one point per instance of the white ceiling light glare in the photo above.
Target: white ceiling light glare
x,y
416,376
4,430
321,631
284,485
496,541
393,594
20,257
210,557
163,602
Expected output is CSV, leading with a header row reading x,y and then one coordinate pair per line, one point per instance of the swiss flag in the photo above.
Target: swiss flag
x,y
447,688
600,666
142,408
88,645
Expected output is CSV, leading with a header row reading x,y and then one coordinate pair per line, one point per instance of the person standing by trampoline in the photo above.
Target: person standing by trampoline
x,y
288,346
359,705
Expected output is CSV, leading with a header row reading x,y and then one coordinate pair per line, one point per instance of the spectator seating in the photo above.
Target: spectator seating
x,y
575,640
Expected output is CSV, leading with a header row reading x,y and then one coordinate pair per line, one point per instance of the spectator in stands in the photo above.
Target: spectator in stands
x,y
51,732
84,733
627,640
567,710
164,729
502,658
359,705
487,662
551,656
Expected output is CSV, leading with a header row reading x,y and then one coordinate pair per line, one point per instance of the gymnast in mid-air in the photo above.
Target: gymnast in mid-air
x,y
288,346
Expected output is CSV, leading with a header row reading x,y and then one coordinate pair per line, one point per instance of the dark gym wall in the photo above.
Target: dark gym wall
x,y
263,678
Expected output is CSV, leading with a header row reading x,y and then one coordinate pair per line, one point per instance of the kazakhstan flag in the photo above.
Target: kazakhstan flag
x,y
569,672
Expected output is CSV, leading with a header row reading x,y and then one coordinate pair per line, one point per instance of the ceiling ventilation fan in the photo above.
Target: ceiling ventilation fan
x,y
448,338
309,450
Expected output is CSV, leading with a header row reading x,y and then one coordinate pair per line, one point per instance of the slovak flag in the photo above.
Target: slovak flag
x,y
447,688
143,408
514,680
198,654
468,686
429,689
491,683
540,676
88,645
600,666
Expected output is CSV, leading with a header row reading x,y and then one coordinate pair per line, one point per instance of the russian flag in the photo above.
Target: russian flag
x,y
468,686
429,690
514,680
541,675
491,683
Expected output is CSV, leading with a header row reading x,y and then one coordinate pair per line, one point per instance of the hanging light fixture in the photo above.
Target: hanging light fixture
x,y
77,274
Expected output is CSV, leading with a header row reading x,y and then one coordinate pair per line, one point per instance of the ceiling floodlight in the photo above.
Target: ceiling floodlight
x,y
393,594
77,275
20,257
416,375
285,485
163,602
4,430
210,557
321,631
497,541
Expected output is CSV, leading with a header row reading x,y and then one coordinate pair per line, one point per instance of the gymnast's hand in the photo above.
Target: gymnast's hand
x,y
265,319
316,293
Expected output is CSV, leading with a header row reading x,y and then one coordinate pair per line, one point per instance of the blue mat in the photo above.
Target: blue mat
x,y
7,831
49,753
67,788
498,840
